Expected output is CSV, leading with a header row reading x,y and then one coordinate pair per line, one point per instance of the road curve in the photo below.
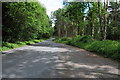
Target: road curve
x,y
53,60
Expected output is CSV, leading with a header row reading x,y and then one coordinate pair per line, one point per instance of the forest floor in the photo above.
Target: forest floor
x,y
48,59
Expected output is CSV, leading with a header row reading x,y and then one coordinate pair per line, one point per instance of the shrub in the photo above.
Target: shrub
x,y
29,42
13,45
36,41
84,39
7,46
21,43
41,40
4,48
64,39
107,48
116,56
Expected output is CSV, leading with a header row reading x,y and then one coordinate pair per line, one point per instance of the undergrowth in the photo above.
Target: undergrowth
x,y
8,46
106,48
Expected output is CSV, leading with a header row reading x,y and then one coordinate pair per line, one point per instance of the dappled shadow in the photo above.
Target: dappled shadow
x,y
49,43
44,61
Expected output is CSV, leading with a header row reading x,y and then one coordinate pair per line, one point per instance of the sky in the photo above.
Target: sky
x,y
52,5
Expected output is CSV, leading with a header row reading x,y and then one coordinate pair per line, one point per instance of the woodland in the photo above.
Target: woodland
x,y
93,26
24,23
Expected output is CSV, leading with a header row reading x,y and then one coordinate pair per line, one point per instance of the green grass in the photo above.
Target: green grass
x,y
29,42
8,46
36,41
106,48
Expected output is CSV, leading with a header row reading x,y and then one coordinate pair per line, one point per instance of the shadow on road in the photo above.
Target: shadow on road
x,y
52,60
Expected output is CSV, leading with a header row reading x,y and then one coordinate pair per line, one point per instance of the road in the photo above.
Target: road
x,y
54,60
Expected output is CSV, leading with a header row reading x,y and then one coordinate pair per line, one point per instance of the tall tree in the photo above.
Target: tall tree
x,y
105,18
24,21
89,18
100,19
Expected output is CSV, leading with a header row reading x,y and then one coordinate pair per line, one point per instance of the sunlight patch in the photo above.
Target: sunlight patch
x,y
47,49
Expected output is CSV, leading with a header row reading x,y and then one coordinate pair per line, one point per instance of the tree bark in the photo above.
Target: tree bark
x,y
105,18
100,20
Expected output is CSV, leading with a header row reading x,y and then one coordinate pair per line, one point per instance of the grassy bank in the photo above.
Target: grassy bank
x,y
8,46
106,48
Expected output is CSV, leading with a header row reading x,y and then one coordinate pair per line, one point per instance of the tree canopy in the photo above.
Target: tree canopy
x,y
25,21
88,18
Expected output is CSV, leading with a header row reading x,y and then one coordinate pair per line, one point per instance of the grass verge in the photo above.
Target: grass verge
x,y
106,48
9,46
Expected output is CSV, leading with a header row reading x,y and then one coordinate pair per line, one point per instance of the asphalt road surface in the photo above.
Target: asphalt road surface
x,y
53,60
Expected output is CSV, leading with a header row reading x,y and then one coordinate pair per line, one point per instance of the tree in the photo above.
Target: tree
x,y
100,19
105,18
24,21
88,18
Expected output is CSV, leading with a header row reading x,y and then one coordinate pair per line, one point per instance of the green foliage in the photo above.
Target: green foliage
x,y
4,48
113,31
83,39
25,21
36,41
106,48
88,18
63,40
29,42
21,43
8,46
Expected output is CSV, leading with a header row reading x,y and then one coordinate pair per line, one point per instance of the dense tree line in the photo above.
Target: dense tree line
x,y
23,21
88,18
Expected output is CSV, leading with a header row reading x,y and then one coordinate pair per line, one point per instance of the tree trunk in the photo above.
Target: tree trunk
x,y
78,33
105,18
100,20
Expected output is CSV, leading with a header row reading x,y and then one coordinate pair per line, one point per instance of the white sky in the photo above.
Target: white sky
x,y
52,5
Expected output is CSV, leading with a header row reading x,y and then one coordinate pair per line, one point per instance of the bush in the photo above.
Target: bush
x,y
21,43
116,56
36,41
107,48
13,45
4,48
29,25
41,40
84,39
64,39
7,46
29,42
